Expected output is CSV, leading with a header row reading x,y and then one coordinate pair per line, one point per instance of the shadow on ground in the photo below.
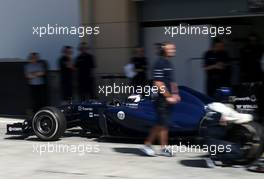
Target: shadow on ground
x,y
127,150
197,163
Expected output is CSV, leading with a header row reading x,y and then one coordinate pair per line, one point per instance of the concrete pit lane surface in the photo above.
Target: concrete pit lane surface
x,y
83,157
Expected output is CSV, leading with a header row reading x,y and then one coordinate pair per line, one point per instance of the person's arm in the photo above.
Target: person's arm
x,y
170,98
174,88
175,92
214,66
67,63
39,74
173,85
162,88
28,74
41,71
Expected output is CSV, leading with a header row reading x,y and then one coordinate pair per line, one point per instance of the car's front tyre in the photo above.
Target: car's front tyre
x,y
49,124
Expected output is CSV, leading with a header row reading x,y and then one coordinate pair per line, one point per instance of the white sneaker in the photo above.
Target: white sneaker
x,y
147,149
166,152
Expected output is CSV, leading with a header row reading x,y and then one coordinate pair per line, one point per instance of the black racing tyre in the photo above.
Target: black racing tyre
x,y
49,124
251,138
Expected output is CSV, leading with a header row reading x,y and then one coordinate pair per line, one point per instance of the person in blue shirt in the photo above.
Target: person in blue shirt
x,y
35,72
250,60
163,78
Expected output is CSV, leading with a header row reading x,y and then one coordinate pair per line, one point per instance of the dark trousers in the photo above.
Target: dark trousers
x,y
39,96
66,88
86,89
163,111
217,80
212,85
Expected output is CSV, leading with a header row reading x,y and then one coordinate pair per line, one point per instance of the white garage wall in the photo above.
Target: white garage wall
x,y
190,48
17,17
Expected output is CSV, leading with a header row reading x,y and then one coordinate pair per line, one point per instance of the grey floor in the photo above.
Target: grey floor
x,y
22,159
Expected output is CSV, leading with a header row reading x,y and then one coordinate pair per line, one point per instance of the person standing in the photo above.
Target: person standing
x,y
66,73
168,95
85,66
216,67
140,67
251,56
35,72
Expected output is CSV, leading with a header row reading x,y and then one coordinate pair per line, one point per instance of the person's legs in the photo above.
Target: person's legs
x,y
39,97
84,88
153,135
90,92
69,90
164,133
164,110
214,83
165,150
36,97
64,90
210,87
160,131
42,96
154,132
147,149
81,93
33,98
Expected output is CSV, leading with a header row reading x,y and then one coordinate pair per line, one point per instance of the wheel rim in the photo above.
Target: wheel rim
x,y
45,124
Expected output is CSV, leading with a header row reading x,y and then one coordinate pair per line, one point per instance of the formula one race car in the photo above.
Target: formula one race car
x,y
195,114
132,118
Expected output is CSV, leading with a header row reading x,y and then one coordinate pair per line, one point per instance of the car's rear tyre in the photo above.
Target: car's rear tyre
x,y
49,124
251,137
